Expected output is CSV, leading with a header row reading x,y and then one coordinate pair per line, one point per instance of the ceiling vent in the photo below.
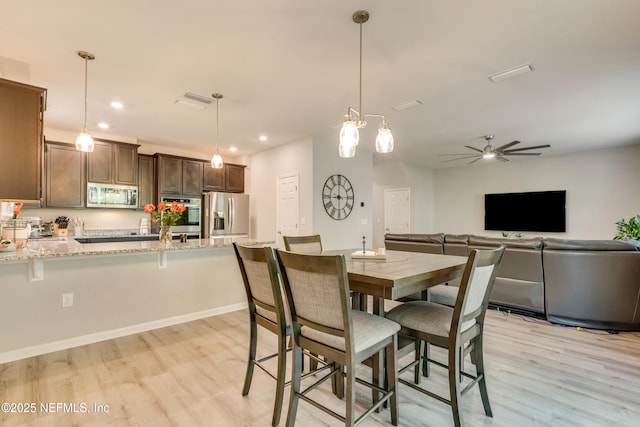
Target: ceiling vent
x,y
407,105
194,101
512,72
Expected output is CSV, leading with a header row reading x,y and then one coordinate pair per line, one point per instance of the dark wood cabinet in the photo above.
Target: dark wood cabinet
x,y
65,176
113,163
21,123
191,177
229,179
169,172
234,178
213,179
146,180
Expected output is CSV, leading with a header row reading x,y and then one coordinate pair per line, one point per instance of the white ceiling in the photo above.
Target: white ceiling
x,y
289,69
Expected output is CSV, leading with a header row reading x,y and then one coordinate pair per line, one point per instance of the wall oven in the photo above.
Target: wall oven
x,y
189,223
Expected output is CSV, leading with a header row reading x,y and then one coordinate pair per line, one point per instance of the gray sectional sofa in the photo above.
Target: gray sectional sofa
x,y
587,283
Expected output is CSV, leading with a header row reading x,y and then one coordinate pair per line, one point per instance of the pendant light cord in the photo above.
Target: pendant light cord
x,y
360,77
86,68
217,123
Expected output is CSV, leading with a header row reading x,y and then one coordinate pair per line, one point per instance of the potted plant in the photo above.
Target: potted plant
x,y
628,230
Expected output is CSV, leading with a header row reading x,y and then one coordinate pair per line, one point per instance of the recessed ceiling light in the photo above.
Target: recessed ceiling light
x,y
118,105
263,138
233,149
103,125
511,72
407,104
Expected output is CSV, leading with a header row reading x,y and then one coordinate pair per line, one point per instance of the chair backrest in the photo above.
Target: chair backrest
x,y
303,244
261,282
317,289
475,288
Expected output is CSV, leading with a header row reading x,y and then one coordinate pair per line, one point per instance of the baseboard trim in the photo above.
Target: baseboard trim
x,y
37,350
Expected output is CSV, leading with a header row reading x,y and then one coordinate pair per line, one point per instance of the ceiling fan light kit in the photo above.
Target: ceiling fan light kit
x,y
355,119
491,152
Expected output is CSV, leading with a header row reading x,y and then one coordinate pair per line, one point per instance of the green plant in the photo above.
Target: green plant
x,y
628,229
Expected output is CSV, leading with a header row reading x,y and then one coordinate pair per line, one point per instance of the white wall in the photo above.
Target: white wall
x,y
263,170
345,233
601,185
392,173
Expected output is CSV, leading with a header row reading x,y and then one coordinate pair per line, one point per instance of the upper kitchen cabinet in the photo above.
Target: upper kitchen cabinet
x,y
229,179
146,180
113,163
65,176
179,176
234,178
21,122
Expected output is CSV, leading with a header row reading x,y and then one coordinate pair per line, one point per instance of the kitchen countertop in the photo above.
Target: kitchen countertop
x,y
61,248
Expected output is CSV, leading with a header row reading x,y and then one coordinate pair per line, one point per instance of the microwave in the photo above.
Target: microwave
x,y
112,196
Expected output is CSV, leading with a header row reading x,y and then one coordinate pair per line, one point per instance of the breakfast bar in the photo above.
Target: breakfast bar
x,y
61,294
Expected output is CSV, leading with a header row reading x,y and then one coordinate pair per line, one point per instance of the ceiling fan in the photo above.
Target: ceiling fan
x,y
490,152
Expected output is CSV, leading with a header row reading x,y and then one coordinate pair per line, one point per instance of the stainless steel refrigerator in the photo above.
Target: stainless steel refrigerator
x,y
225,215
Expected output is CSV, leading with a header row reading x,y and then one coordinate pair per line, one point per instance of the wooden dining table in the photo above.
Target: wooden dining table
x,y
399,275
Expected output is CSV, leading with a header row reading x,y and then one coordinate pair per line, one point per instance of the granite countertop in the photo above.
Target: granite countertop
x,y
69,247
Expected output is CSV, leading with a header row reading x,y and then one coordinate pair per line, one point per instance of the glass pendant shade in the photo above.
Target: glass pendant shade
x,y
216,161
349,134
84,142
384,140
346,150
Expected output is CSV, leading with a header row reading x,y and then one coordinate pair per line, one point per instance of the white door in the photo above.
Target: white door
x,y
397,210
287,207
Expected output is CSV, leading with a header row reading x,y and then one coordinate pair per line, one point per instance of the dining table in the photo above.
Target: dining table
x,y
398,274
392,276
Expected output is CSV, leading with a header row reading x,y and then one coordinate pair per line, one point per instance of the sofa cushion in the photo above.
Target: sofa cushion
x,y
530,243
456,238
591,245
419,238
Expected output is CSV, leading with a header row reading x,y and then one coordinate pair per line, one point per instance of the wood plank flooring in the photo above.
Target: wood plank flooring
x,y
191,375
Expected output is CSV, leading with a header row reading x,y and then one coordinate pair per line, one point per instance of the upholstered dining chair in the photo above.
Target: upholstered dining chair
x,y
267,309
458,329
303,244
323,323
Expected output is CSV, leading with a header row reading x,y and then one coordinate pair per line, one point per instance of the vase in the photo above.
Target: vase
x,y
165,235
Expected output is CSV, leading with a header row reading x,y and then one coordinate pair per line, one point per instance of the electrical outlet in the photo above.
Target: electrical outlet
x,y
67,300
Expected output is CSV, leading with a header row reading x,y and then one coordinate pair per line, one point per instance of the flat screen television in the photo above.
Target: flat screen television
x,y
531,211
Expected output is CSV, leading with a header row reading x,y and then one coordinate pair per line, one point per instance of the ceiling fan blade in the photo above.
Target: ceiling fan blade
x,y
473,148
521,154
502,159
458,154
460,158
473,161
511,144
533,147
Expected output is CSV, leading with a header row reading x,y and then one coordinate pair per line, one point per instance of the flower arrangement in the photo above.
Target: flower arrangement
x,y
165,215
16,209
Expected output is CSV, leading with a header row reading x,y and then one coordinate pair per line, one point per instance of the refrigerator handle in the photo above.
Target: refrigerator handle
x,y
231,213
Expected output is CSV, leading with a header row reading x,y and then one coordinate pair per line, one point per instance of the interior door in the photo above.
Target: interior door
x,y
287,207
397,210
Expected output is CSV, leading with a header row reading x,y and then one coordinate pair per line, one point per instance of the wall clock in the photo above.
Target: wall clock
x,y
337,197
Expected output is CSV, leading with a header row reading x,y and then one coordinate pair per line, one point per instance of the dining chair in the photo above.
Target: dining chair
x,y
322,321
457,329
303,244
267,309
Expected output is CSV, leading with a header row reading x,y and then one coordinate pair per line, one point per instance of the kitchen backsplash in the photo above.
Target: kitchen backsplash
x,y
94,219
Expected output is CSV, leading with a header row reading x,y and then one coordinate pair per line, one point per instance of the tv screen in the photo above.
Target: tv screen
x,y
531,211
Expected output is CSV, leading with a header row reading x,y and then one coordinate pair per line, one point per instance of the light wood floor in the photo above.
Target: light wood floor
x,y
191,375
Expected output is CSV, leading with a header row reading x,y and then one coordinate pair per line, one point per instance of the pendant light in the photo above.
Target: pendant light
x,y
216,160
84,141
355,119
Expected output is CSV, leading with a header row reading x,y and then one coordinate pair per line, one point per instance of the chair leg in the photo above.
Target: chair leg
x,y
253,338
295,385
454,386
477,355
419,350
350,397
280,379
425,360
392,378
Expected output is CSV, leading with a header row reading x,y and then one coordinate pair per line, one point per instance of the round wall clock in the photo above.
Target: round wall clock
x,y
337,197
